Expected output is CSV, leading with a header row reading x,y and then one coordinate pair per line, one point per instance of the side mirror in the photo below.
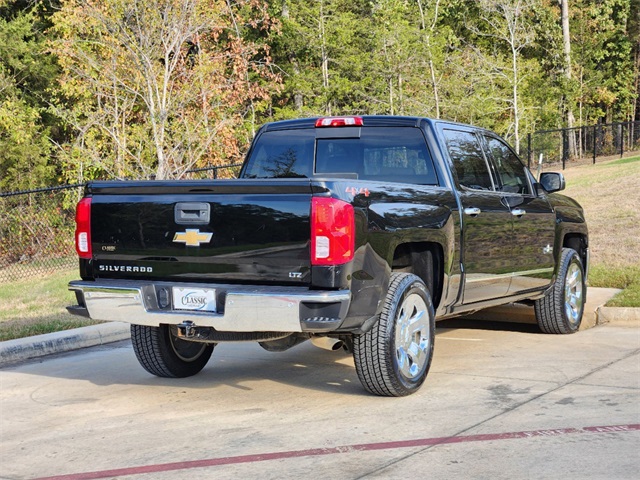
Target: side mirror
x,y
552,181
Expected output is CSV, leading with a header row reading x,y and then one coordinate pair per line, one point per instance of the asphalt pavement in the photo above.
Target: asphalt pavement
x,y
502,401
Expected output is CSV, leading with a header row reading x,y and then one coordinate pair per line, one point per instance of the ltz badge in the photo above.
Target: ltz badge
x,y
192,237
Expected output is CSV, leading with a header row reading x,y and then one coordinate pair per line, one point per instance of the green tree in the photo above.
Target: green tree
x,y
325,51
26,127
602,86
378,57
400,56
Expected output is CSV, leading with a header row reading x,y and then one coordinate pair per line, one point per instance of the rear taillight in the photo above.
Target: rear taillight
x,y
83,228
332,231
339,122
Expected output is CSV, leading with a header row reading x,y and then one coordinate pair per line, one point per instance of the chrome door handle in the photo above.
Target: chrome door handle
x,y
472,211
518,212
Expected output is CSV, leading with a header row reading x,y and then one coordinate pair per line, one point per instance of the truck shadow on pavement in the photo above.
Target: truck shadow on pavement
x,y
472,323
237,366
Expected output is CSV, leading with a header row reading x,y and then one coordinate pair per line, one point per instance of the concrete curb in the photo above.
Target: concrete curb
x,y
619,315
14,351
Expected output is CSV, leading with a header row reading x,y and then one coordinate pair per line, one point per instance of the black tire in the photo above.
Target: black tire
x,y
163,354
560,310
384,364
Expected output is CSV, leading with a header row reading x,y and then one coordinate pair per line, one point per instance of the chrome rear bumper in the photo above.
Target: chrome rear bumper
x,y
240,308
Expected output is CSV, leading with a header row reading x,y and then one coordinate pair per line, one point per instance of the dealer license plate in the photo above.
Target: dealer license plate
x,y
201,299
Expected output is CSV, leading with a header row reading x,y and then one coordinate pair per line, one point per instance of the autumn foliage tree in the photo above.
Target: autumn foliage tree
x,y
139,89
157,87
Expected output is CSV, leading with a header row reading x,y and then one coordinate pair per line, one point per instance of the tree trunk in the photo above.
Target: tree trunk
x,y
516,109
432,70
324,59
297,96
566,43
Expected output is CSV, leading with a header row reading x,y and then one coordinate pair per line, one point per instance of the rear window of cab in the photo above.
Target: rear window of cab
x,y
390,154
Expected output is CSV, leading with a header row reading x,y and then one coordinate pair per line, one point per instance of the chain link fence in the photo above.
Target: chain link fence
x,y
582,145
36,232
37,226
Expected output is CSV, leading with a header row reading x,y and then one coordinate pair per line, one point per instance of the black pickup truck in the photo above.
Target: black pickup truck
x,y
351,232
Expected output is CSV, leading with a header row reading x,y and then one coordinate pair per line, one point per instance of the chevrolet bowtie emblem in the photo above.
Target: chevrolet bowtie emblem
x,y
192,238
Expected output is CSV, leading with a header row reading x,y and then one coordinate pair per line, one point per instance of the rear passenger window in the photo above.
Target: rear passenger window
x,y
468,160
389,154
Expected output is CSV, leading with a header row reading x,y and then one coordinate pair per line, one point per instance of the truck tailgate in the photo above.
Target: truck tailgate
x,y
202,231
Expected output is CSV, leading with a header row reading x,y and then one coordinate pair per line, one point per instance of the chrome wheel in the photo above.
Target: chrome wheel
x,y
412,337
561,309
394,356
573,297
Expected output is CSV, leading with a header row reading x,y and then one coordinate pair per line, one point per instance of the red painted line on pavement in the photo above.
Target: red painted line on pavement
x,y
262,457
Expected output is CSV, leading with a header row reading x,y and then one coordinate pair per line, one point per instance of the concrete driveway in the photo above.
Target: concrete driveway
x,y
501,402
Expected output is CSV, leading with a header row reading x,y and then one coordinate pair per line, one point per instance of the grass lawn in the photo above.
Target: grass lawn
x,y
610,196
627,278
37,305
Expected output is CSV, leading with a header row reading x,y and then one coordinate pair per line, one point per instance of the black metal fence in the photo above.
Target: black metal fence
x,y
212,173
37,227
582,144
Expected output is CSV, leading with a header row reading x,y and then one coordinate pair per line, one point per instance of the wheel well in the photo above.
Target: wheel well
x,y
426,260
579,243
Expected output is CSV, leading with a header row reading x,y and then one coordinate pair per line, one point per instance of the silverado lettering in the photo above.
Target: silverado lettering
x,y
124,268
352,232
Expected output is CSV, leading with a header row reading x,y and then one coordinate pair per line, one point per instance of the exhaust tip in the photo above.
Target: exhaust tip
x,y
327,343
